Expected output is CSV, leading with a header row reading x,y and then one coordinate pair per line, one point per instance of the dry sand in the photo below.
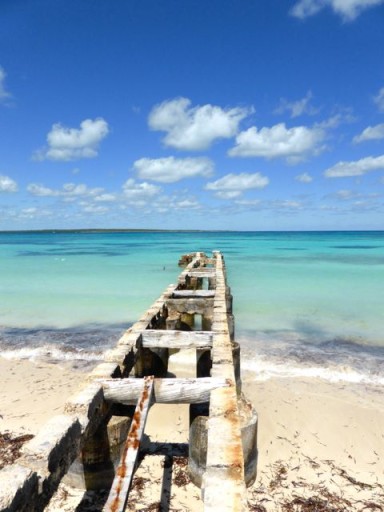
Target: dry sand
x,y
320,444
32,392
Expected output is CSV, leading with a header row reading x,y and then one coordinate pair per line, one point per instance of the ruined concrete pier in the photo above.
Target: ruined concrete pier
x,y
81,444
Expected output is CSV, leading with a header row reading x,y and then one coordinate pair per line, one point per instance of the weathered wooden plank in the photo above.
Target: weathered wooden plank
x,y
201,272
191,305
186,294
176,339
166,391
118,495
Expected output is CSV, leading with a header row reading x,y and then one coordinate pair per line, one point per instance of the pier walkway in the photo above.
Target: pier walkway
x,y
76,446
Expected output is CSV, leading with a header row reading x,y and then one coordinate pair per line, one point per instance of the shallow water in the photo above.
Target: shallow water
x,y
305,302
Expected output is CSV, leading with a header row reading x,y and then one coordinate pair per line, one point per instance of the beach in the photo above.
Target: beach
x,y
318,442
308,316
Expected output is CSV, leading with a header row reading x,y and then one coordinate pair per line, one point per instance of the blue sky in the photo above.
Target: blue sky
x,y
214,114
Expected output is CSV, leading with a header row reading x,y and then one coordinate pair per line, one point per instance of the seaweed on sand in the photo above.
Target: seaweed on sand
x,y
10,447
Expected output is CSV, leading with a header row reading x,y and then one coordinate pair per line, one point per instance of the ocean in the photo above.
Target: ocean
x,y
306,304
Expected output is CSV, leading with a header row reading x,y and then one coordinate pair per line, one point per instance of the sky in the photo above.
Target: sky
x,y
192,114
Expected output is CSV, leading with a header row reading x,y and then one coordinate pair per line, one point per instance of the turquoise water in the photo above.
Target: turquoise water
x,y
305,302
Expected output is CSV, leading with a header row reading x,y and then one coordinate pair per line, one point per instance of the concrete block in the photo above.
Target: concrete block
x,y
18,489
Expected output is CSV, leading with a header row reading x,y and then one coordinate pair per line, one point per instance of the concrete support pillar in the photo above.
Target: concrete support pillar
x,y
211,283
203,362
173,322
236,366
206,323
229,301
198,442
95,467
152,361
197,460
231,327
188,320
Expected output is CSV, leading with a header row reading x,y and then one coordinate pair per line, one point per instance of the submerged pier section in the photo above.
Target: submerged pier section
x,y
78,446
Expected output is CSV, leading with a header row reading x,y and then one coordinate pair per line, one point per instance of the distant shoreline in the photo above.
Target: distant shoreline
x,y
150,230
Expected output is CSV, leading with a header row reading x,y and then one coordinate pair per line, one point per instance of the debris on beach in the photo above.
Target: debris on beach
x,y
313,485
10,447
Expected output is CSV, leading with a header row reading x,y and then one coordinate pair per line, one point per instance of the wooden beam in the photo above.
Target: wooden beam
x,y
176,339
186,294
201,272
166,391
118,495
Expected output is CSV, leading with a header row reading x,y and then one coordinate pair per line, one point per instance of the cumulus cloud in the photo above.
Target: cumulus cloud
x,y
92,208
171,169
304,178
72,143
168,204
355,168
233,185
29,212
297,108
279,141
287,204
370,133
68,190
347,9
4,94
139,192
194,128
345,195
7,184
105,198
379,100
186,204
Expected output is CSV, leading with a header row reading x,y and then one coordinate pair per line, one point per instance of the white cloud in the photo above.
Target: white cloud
x,y
297,108
370,133
344,115
347,9
72,189
167,204
345,194
195,128
171,169
187,204
7,184
139,192
304,178
105,198
72,143
249,202
279,141
4,94
41,190
91,208
356,168
379,100
68,190
29,212
289,205
233,185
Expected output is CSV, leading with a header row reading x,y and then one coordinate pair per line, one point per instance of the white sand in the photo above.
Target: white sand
x,y
31,393
315,439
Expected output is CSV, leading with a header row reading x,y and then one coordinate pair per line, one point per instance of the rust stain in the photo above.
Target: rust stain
x,y
133,441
